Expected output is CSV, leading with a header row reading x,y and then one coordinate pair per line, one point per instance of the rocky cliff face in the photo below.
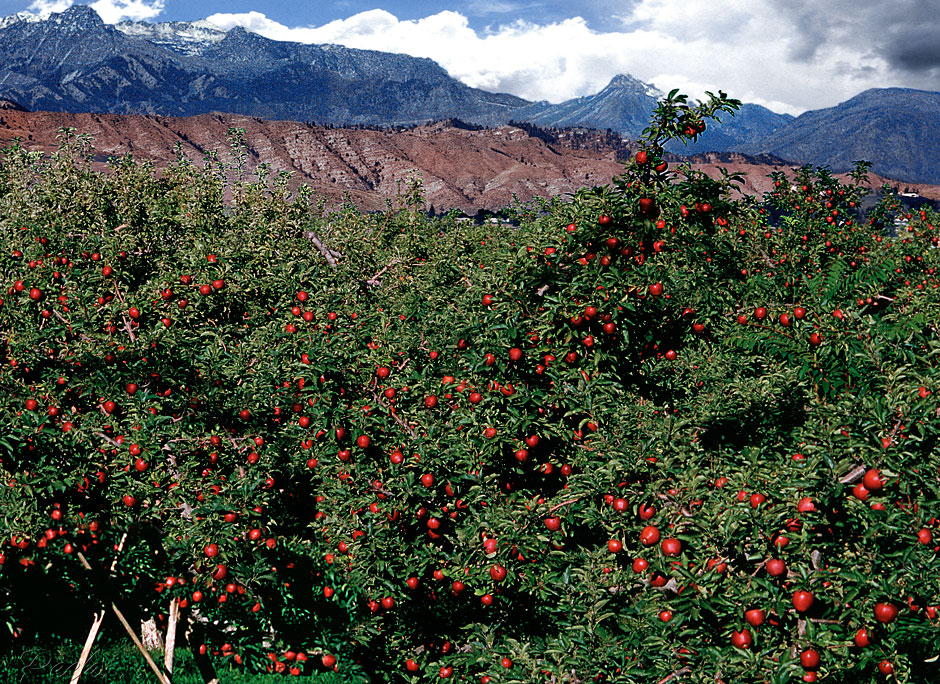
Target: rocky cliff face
x,y
461,167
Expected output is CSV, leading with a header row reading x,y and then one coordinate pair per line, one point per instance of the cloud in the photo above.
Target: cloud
x,y
790,56
110,11
46,7
696,47
113,11
485,7
916,49
885,28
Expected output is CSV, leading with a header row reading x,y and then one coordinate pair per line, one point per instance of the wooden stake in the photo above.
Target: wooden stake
x,y
170,641
86,651
96,625
162,676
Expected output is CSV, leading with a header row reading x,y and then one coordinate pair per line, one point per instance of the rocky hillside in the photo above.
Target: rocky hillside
x,y
463,167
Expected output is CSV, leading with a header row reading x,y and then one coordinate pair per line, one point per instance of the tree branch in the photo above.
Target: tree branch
x,y
853,475
682,672
329,254
374,280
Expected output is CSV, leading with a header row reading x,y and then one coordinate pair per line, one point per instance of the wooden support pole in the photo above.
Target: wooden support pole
x,y
86,650
96,624
162,677
170,641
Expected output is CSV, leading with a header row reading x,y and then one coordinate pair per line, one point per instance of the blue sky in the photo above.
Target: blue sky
x,y
789,56
481,13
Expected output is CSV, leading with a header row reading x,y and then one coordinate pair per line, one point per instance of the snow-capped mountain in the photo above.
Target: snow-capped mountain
x,y
18,17
624,105
188,38
73,61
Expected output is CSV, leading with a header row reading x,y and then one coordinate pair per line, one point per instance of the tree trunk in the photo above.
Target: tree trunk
x,y
150,635
171,636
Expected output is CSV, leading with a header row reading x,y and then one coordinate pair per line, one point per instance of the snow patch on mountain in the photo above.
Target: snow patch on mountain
x,y
189,38
18,17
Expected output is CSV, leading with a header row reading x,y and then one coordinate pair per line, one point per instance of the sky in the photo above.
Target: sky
x,y
788,55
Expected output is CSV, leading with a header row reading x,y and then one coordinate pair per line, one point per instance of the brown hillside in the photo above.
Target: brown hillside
x,y
460,168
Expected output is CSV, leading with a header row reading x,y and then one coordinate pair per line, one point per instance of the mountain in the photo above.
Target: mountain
x,y
624,106
74,62
750,123
894,128
462,166
11,105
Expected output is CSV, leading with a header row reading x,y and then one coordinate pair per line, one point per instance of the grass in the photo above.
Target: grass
x,y
120,663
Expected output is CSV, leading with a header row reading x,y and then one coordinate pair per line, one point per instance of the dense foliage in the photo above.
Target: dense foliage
x,y
653,432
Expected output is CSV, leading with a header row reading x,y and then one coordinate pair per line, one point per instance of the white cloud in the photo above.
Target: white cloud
x,y
110,11
748,48
787,56
113,11
46,7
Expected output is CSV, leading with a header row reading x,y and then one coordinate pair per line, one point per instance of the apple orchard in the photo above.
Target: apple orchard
x,y
655,431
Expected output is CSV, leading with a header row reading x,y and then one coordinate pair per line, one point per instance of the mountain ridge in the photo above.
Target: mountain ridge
x,y
894,128
73,61
113,71
464,167
623,105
